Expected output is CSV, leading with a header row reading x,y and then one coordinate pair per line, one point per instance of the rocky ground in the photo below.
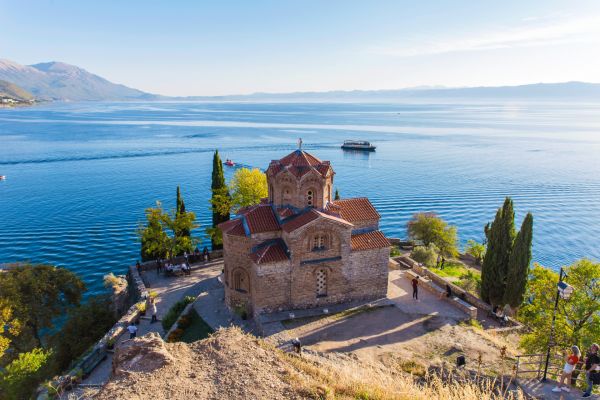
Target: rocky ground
x,y
234,365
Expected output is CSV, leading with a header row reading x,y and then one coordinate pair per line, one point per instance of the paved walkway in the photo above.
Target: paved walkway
x,y
170,289
400,293
543,391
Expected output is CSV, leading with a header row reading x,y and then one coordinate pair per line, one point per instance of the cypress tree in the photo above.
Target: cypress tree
x,y
178,202
180,210
218,187
500,235
518,264
337,195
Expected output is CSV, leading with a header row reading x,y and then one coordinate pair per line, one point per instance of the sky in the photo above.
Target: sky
x,y
238,47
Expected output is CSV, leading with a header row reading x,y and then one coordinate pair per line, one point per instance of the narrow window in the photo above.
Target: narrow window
x,y
239,281
319,242
321,283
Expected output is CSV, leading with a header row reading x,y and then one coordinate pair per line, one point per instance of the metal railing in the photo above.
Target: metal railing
x,y
532,366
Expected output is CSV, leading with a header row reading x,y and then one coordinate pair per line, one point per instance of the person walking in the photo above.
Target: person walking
x,y
415,287
205,254
571,361
592,366
132,329
153,310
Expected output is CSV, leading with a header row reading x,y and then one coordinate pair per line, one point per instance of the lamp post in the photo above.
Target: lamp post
x,y
563,290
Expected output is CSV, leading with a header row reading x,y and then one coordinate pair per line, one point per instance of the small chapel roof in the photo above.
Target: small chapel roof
x,y
261,218
299,163
270,251
369,240
354,210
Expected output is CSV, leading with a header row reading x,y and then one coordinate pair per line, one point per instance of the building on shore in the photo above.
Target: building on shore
x,y
300,248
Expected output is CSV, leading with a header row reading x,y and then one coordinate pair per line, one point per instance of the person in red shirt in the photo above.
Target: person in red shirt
x,y
571,361
415,286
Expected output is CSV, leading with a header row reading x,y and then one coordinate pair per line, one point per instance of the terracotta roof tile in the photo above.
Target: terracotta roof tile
x,y
309,216
233,227
285,212
358,209
369,240
300,221
299,163
272,251
261,218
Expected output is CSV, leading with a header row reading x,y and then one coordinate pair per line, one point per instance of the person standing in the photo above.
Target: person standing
x,y
153,310
205,254
571,361
415,287
592,364
132,329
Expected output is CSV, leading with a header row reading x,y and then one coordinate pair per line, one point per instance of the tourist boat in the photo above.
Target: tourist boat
x,y
229,163
2,177
362,145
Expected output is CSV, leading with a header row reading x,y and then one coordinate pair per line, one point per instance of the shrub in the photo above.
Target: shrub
x,y
471,282
20,378
426,255
395,251
111,281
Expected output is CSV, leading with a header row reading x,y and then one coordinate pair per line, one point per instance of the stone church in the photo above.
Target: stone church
x,y
299,248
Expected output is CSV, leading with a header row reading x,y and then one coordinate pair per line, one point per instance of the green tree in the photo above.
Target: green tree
x,y
500,235
37,294
247,188
84,327
518,264
178,224
220,201
426,255
20,378
577,319
153,238
10,327
430,228
337,195
180,210
475,249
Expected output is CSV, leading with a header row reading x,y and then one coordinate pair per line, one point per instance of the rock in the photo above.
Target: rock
x,y
143,354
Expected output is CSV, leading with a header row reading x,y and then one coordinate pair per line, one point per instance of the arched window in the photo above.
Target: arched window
x,y
318,242
321,283
309,198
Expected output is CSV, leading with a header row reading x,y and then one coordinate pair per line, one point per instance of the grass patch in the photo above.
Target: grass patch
x,y
173,313
197,329
472,323
451,268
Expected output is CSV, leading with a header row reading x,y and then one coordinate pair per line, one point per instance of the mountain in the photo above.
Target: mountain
x,y
13,91
61,81
580,91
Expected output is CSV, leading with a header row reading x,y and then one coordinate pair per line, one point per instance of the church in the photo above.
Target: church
x,y
300,248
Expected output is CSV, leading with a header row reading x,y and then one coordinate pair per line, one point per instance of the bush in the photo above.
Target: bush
x,y
21,377
395,251
174,312
112,281
426,255
85,325
471,282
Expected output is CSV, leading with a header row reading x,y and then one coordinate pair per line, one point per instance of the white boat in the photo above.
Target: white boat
x,y
2,177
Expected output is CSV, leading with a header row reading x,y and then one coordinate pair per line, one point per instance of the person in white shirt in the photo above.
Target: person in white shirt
x,y
132,330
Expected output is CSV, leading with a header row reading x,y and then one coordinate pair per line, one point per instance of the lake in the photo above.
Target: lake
x,y
80,175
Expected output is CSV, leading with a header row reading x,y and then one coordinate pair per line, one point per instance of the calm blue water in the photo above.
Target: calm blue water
x,y
80,175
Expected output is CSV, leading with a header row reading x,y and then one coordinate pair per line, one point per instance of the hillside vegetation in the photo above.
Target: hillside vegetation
x,y
10,90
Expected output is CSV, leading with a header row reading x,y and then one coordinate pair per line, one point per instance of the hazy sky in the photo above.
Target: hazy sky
x,y
227,47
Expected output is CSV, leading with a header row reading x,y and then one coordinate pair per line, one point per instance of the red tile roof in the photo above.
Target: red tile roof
x,y
267,252
233,227
285,212
352,210
309,216
299,163
261,218
300,221
369,240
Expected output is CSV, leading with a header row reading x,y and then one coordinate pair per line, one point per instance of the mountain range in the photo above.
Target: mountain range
x,y
65,82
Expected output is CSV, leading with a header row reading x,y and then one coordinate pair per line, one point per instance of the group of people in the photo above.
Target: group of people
x,y
170,267
591,367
